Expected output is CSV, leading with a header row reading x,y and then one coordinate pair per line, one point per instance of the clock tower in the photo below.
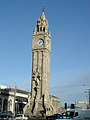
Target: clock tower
x,y
41,50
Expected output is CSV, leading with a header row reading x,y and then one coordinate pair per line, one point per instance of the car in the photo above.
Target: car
x,y
58,117
53,117
7,115
21,117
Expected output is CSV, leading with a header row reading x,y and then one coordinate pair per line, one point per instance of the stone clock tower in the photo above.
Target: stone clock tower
x,y
41,50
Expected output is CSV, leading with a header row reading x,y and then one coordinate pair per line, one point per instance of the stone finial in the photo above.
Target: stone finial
x,y
43,10
43,15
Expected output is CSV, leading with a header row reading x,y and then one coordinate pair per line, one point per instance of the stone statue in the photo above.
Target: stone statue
x,y
36,79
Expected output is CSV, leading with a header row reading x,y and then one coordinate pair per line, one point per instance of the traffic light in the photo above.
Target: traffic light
x,y
65,105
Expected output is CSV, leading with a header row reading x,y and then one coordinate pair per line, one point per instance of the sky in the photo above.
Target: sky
x,y
69,23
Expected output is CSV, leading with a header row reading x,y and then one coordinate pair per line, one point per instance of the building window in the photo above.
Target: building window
x,y
37,28
40,28
48,109
5,103
44,29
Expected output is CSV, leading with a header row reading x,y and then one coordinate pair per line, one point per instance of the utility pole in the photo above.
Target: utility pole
x,y
14,100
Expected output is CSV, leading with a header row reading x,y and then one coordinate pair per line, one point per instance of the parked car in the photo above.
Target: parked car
x,y
21,117
58,117
7,115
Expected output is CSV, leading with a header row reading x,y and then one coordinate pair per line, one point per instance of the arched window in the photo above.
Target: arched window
x,y
5,105
40,28
0,104
37,28
43,29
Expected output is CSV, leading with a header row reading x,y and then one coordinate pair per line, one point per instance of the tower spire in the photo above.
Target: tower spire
x,y
43,15
42,23
43,10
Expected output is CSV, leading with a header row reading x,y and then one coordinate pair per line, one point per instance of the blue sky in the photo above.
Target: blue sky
x,y
69,23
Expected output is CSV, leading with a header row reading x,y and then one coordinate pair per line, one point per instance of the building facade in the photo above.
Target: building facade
x,y
12,99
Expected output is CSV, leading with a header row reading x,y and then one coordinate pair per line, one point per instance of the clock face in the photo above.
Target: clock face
x,y
40,42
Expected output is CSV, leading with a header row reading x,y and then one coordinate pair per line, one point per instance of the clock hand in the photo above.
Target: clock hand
x,y
39,42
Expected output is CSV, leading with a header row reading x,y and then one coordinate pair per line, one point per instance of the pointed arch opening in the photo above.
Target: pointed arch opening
x,y
5,104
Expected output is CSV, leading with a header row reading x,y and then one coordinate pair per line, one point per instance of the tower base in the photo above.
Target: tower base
x,y
35,109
